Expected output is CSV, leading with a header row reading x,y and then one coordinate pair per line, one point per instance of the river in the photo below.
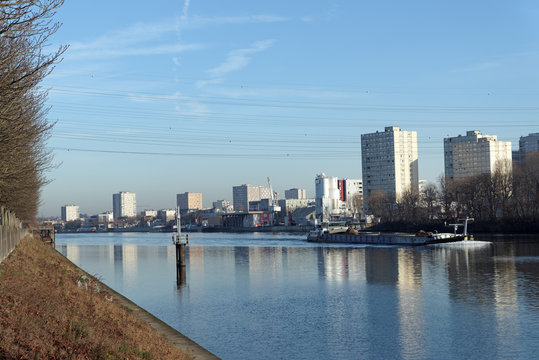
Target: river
x,y
275,296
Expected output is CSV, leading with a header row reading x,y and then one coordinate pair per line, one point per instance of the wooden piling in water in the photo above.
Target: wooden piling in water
x,y
180,264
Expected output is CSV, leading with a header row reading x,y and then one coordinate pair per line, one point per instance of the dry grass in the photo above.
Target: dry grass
x,y
48,312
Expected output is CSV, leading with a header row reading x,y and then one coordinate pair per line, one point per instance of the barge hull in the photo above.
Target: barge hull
x,y
382,239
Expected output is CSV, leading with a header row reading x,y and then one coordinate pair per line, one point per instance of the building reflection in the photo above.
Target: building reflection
x,y
72,252
194,256
118,264
340,264
470,279
381,265
381,273
332,264
411,304
265,264
241,268
126,264
506,302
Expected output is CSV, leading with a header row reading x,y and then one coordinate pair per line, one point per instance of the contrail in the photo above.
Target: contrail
x,y
183,17
185,9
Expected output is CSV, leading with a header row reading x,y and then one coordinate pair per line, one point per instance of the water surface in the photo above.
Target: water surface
x,y
270,296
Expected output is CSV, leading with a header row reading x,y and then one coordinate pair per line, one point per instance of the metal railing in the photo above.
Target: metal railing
x,y
11,232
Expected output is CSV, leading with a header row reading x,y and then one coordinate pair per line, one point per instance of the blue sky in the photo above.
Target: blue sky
x,y
199,96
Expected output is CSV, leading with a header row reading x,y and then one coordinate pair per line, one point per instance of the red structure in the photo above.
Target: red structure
x,y
341,184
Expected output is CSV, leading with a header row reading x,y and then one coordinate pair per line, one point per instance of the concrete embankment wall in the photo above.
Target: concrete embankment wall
x,y
11,232
179,340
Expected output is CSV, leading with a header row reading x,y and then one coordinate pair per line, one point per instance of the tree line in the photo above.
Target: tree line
x,y
507,195
25,28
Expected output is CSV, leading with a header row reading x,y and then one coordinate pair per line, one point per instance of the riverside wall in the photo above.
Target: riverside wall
x,y
11,232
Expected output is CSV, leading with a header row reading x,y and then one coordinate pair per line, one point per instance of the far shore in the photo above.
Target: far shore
x,y
484,236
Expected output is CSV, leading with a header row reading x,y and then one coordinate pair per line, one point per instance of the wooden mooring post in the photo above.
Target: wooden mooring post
x,y
180,264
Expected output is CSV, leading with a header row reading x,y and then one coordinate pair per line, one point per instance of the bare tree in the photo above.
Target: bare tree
x,y
25,27
355,204
382,205
409,205
448,197
430,199
525,196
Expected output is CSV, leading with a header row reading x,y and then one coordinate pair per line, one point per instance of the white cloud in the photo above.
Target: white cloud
x,y
195,22
240,58
137,40
154,98
313,94
190,106
202,83
307,19
163,37
132,51
135,34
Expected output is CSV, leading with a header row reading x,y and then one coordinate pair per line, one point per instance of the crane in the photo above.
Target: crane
x,y
273,200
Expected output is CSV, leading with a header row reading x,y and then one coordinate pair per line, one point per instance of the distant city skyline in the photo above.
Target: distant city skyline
x,y
208,203
201,96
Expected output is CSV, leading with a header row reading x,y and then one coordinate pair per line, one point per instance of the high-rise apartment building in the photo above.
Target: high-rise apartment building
x,y
475,154
389,161
528,144
295,194
124,204
189,201
242,194
70,212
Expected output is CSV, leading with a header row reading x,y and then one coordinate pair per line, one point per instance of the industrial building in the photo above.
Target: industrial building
x,y
106,217
243,194
166,215
328,198
295,194
222,206
348,188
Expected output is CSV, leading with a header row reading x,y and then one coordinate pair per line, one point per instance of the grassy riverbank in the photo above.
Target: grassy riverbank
x,y
50,309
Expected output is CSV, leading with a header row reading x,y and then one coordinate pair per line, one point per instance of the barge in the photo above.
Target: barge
x,y
325,235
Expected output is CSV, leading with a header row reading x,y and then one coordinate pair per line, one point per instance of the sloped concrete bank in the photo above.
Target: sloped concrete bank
x,y
179,340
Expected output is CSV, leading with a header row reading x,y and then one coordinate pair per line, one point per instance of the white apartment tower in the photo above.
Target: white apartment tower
x,y
389,161
124,204
242,194
70,212
475,154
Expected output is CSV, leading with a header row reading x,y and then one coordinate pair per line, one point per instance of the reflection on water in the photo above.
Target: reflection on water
x,y
269,300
